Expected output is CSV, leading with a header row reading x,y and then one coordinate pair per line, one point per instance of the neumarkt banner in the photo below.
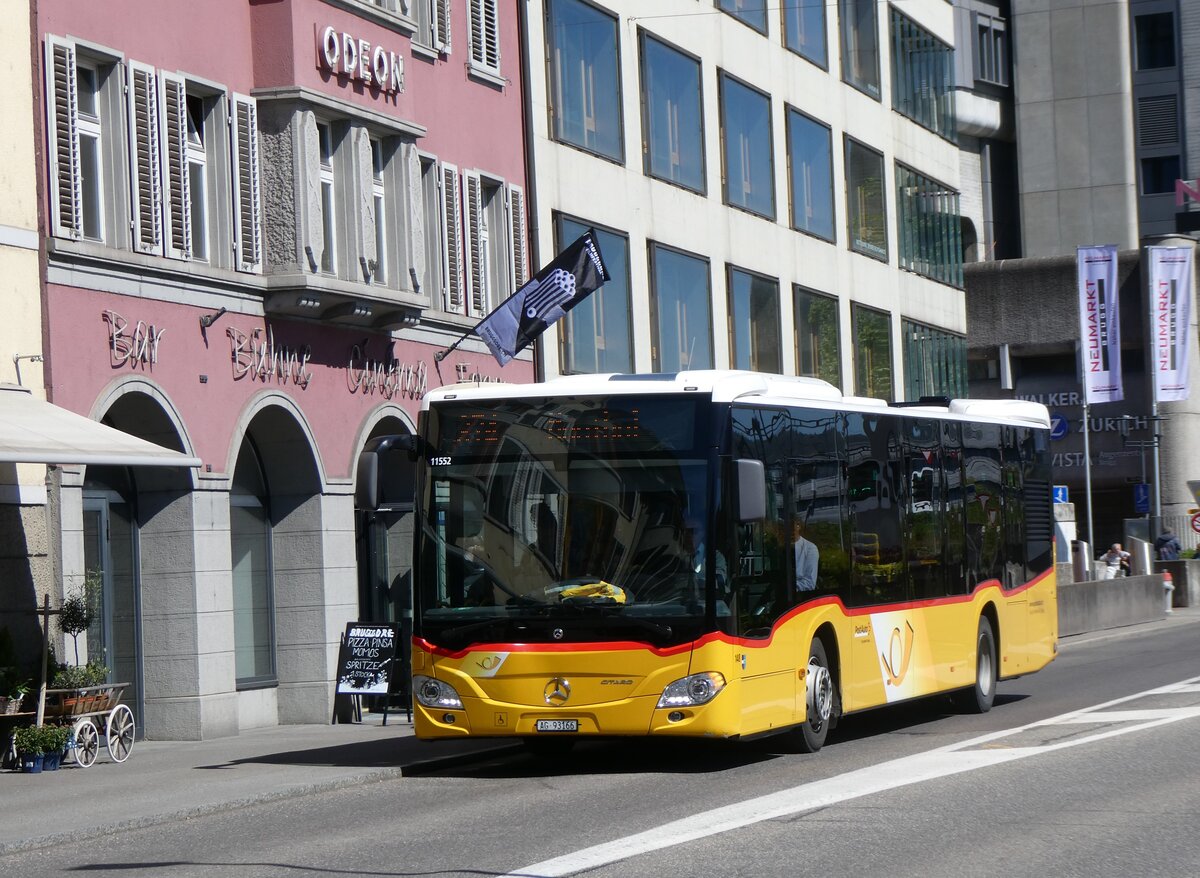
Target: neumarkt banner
x,y
367,659
573,275
1170,314
1099,324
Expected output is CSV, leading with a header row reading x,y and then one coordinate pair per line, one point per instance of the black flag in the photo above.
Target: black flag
x,y
542,300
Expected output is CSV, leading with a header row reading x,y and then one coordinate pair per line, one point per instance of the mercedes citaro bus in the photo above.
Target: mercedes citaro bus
x,y
718,554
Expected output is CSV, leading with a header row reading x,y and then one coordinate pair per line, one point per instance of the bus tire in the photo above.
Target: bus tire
x,y
820,697
980,697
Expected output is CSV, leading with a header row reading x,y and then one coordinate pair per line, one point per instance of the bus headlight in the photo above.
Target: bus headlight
x,y
435,693
692,691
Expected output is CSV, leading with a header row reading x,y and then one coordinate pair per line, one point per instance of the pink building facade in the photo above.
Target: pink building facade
x,y
263,221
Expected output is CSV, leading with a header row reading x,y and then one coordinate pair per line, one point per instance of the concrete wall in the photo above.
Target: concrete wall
x,y
1186,579
1093,606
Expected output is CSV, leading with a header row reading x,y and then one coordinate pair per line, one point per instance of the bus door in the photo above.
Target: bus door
x,y
885,634
766,653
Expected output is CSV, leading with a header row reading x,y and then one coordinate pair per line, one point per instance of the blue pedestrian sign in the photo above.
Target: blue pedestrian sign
x,y
1141,498
1059,426
1060,494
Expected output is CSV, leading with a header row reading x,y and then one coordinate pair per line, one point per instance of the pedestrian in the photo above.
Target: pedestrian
x,y
1167,546
1116,560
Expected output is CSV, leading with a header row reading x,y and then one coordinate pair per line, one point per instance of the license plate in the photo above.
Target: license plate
x,y
557,725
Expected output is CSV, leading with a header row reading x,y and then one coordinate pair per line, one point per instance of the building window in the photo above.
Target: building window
x,y
746,147
929,227
804,30
433,25
585,101
1159,174
1154,37
818,351
751,12
484,33
810,174
872,331
328,204
681,307
433,278
672,115
754,334
174,163
991,49
922,77
867,208
379,271
253,579
596,336
197,174
935,362
82,132
493,220
860,45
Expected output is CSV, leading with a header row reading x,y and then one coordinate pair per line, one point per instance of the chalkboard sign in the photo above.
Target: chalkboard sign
x,y
367,660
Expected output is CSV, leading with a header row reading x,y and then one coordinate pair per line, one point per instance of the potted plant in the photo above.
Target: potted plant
x,y
79,609
54,743
30,744
13,689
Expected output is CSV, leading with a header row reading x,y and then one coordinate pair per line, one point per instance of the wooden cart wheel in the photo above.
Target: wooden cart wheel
x,y
87,742
120,733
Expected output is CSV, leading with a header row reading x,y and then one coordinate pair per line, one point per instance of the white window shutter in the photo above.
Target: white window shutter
x,y
452,241
441,25
484,34
247,210
178,225
62,126
477,267
145,159
516,223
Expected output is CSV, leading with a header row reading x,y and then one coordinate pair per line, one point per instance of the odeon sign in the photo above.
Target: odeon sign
x,y
374,66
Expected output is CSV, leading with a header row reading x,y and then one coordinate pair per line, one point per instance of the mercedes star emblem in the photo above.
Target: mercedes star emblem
x,y
557,692
558,634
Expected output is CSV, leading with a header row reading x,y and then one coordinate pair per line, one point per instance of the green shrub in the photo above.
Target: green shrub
x,y
79,609
94,673
39,740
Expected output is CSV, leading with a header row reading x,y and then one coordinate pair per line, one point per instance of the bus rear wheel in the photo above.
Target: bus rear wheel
x,y
819,698
980,697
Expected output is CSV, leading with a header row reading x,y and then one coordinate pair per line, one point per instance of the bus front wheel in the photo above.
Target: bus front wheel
x,y
980,697
819,700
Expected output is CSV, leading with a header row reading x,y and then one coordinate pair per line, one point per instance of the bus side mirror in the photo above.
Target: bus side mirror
x,y
751,488
371,478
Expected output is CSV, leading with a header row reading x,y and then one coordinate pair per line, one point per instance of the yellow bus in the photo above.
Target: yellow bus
x,y
720,554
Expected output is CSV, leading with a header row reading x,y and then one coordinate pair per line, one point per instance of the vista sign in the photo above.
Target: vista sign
x,y
345,55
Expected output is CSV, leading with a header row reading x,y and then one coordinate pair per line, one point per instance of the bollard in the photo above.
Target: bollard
x,y
1168,588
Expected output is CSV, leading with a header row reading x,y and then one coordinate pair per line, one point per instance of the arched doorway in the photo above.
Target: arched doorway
x,y
279,579
132,559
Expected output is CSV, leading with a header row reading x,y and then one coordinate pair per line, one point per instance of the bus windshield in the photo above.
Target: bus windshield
x,y
588,509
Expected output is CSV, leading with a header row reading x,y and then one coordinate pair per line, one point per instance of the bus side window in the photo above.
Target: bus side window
x,y
820,561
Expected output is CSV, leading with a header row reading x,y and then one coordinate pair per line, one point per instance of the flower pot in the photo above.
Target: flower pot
x,y
30,763
52,761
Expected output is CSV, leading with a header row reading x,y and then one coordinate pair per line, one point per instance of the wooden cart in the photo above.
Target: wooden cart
x,y
83,709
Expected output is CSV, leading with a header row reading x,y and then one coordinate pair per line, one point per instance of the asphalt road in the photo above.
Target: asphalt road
x,y
1104,789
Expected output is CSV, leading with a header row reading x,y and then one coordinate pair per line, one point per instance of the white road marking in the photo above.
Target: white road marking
x,y
941,762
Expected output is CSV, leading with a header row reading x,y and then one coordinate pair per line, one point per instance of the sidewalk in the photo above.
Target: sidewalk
x,y
169,780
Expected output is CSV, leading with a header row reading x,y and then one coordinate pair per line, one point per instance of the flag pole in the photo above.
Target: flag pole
x,y
445,352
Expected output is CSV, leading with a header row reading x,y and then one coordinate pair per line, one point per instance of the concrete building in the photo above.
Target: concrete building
x,y
1102,113
775,187
262,220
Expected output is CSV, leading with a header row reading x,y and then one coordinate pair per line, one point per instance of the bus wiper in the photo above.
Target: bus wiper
x,y
603,610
